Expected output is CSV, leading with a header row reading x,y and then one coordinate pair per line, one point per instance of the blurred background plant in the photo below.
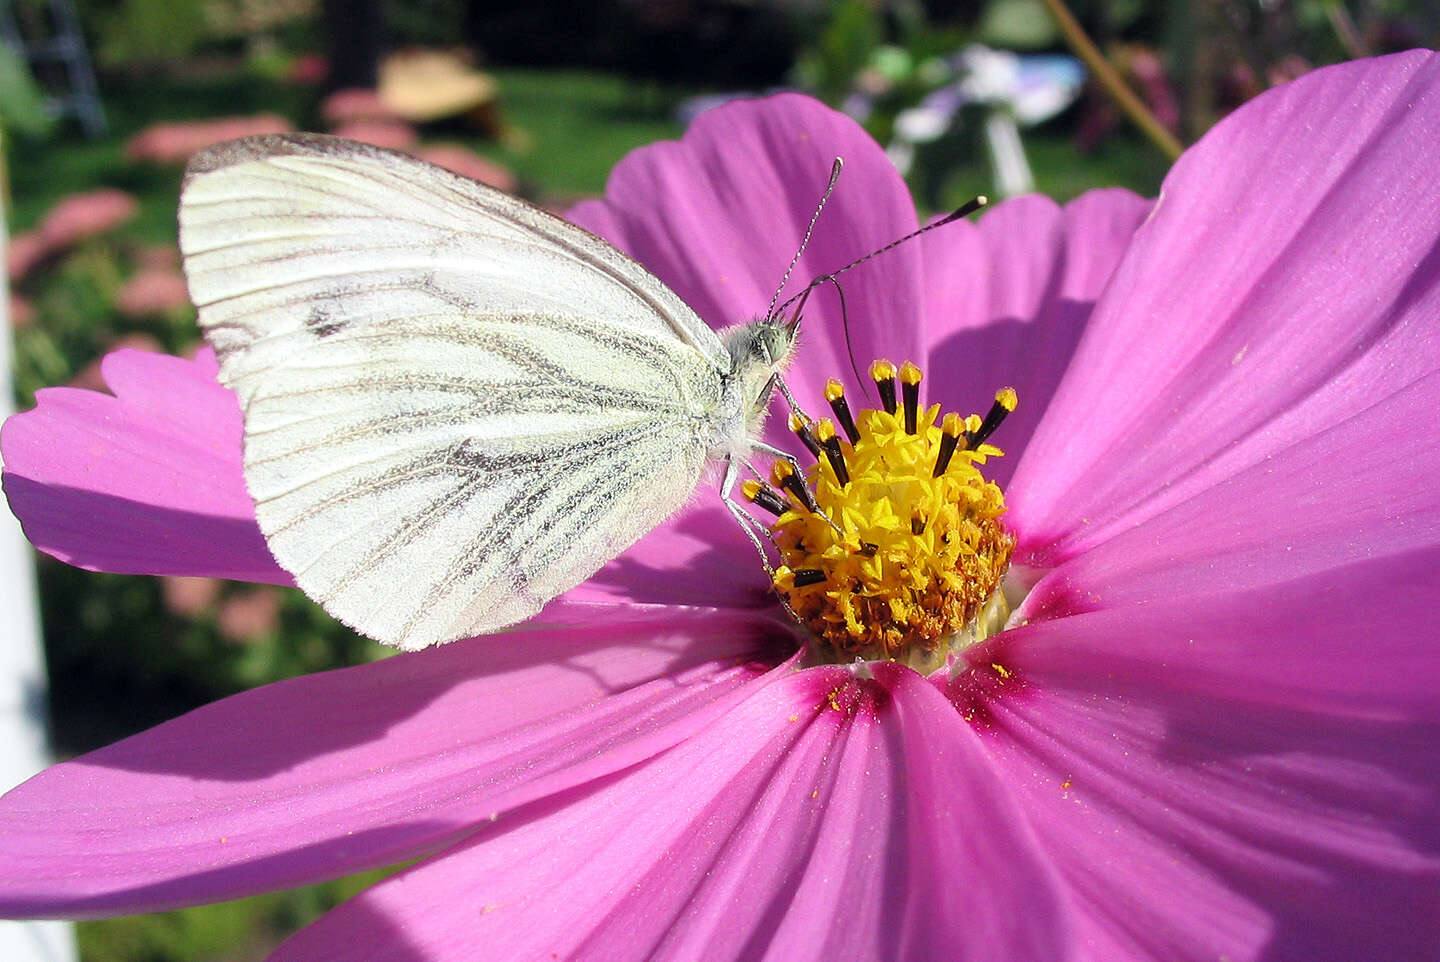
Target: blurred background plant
x,y
540,98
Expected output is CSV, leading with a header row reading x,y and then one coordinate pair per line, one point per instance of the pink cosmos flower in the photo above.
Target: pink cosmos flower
x,y
1208,731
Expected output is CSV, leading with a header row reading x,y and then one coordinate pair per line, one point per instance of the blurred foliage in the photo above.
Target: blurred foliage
x,y
245,930
22,105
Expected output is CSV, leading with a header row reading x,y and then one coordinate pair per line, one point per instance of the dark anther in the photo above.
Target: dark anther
x,y
806,436
949,438
1004,404
766,497
805,577
793,483
883,373
917,526
835,394
910,389
836,457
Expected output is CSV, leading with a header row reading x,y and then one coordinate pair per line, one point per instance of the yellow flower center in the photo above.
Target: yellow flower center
x,y
899,551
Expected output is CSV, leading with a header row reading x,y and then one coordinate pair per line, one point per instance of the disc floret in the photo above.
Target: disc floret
x,y
904,558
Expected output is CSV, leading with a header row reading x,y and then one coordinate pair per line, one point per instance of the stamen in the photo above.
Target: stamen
x,y
835,394
804,577
883,373
825,434
1005,401
910,387
950,431
785,477
806,436
764,496
914,572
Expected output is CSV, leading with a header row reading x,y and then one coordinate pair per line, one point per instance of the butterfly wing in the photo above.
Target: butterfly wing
x,y
456,405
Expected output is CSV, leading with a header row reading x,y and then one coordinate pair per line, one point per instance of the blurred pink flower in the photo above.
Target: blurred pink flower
x,y
464,161
158,256
22,312
174,143
79,216
153,290
353,105
392,134
1211,732
23,253
310,69
250,615
189,597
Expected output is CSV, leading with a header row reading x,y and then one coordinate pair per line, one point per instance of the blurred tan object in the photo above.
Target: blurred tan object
x,y
425,85
464,161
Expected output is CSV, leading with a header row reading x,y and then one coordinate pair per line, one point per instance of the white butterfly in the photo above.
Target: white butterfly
x,y
457,406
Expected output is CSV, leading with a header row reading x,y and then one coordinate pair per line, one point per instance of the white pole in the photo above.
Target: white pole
x,y
23,749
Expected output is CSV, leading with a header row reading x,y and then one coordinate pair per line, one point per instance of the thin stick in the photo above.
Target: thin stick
x,y
1134,108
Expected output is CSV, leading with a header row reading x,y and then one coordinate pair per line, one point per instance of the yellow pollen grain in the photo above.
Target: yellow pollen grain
x,y
916,557
834,390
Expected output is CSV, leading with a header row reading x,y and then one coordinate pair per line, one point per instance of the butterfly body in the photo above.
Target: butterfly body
x,y
456,406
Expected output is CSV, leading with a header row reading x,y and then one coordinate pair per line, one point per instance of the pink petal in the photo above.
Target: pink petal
x,y
327,774
145,482
718,215
1007,301
1313,509
1285,281
822,818
1246,777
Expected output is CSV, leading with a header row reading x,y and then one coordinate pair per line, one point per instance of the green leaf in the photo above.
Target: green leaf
x,y
22,105
1017,25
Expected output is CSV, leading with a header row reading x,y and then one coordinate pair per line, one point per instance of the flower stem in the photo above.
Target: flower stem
x,y
1086,50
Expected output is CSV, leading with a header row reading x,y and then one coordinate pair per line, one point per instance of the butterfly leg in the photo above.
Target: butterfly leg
x,y
795,407
748,522
770,449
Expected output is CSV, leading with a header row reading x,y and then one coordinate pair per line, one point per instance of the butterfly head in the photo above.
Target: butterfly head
x,y
759,352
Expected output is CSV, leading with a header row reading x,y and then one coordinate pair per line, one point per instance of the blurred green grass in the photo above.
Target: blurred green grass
x,y
120,661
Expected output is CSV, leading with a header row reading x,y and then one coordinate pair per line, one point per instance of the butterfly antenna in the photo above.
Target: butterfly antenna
x,y
835,169
964,210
